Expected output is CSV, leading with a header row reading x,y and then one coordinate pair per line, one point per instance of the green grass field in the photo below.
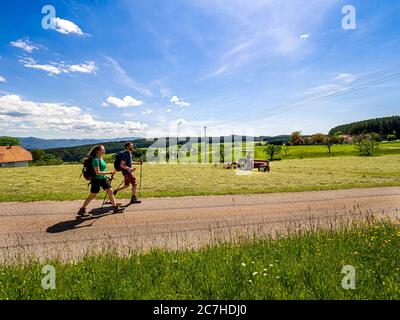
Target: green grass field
x,y
63,183
300,266
306,151
320,151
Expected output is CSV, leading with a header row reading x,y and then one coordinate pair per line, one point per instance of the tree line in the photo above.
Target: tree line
x,y
387,128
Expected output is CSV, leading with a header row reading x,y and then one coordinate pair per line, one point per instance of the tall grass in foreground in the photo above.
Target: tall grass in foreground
x,y
306,265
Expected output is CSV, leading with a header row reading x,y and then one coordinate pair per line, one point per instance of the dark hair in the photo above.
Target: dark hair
x,y
94,150
126,145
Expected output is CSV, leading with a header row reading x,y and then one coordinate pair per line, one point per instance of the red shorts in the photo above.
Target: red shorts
x,y
129,179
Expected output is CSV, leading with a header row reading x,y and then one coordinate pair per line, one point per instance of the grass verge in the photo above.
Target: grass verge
x,y
299,266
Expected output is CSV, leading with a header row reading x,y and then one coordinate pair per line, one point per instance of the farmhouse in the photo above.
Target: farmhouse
x,y
14,156
347,138
297,141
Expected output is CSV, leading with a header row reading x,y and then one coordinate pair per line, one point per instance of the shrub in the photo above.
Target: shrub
x,y
367,144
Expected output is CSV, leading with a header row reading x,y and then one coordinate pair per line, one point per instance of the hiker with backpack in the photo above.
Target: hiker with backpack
x,y
123,162
94,169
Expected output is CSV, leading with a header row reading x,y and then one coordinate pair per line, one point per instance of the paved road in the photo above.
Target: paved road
x,y
49,229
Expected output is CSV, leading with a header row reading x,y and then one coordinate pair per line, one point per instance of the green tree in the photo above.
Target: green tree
x,y
9,141
366,144
38,154
286,149
383,126
318,138
338,136
272,150
329,141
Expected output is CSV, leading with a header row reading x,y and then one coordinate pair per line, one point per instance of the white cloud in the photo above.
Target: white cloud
x,y
123,78
168,110
165,92
56,68
51,69
345,77
325,89
146,112
57,117
66,27
2,79
305,36
12,97
179,102
25,45
88,67
339,83
216,73
125,102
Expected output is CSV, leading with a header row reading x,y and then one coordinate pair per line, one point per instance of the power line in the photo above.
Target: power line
x,y
366,81
322,94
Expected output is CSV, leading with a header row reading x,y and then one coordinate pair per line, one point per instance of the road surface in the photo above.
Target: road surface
x,y
49,229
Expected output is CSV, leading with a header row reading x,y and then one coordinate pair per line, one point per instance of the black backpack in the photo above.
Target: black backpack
x,y
117,161
88,170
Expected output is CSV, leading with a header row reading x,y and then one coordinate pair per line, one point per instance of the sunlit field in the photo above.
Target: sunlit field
x,y
318,151
63,183
233,152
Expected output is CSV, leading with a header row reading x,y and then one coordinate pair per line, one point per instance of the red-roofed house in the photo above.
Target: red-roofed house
x,y
14,156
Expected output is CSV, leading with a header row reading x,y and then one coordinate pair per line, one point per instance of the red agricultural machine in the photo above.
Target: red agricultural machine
x,y
248,164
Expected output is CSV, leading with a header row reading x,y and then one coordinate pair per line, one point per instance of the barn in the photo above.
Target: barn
x,y
297,141
14,156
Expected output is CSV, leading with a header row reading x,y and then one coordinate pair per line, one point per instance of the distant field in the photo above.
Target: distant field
x,y
62,182
302,266
319,151
298,152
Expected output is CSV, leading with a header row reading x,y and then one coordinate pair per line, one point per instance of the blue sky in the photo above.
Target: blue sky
x,y
144,68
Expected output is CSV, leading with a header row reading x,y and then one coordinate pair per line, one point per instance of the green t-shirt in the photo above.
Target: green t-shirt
x,y
99,163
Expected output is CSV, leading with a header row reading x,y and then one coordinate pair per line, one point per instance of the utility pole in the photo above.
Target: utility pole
x,y
205,144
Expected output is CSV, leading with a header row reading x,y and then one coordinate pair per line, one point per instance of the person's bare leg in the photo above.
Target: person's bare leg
x,y
116,207
123,187
134,198
111,196
89,199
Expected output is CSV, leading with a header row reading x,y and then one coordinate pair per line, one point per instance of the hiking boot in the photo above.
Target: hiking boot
x,y
117,203
115,192
82,213
117,209
134,200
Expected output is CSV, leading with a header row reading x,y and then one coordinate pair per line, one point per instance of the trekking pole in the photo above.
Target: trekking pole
x,y
140,182
102,205
105,196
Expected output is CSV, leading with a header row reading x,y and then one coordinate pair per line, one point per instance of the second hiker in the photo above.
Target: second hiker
x,y
125,165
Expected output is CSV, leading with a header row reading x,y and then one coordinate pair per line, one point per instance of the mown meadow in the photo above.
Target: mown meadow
x,y
159,180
